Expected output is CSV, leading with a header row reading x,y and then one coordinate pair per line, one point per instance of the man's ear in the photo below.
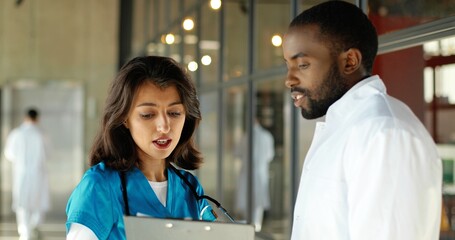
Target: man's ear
x,y
352,60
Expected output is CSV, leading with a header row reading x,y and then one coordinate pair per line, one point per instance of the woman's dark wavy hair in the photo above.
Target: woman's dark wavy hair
x,y
114,144
344,26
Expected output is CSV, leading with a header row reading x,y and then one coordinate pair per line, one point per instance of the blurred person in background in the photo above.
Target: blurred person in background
x,y
25,148
263,153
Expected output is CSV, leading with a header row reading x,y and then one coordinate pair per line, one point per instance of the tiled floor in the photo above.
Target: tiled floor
x,y
47,231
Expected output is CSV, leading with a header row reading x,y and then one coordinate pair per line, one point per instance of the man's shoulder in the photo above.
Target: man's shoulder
x,y
28,130
14,131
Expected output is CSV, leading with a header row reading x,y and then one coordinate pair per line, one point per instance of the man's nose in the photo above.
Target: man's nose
x,y
291,80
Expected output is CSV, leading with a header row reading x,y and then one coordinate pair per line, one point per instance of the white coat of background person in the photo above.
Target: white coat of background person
x,y
263,154
25,148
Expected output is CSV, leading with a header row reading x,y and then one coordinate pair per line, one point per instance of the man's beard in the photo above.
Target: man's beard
x,y
332,88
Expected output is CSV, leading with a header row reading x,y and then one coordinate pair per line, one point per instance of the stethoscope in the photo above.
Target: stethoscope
x,y
192,189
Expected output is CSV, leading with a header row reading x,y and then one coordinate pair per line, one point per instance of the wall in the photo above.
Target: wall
x,y
61,40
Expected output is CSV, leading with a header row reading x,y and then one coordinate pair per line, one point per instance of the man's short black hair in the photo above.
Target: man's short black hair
x,y
32,113
343,25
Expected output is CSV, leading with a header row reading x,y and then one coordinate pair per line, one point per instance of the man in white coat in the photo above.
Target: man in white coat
x,y
263,153
25,148
372,171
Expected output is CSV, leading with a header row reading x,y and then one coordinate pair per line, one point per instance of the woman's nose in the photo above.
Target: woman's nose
x,y
163,125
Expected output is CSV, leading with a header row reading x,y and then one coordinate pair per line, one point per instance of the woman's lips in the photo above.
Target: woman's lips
x,y
162,143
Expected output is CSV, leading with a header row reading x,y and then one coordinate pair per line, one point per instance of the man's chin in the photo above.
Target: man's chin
x,y
309,115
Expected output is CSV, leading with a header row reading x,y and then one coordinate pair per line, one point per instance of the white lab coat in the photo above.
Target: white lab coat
x,y
263,153
25,148
372,172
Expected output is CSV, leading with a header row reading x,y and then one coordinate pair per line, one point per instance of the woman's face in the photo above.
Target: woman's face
x,y
155,121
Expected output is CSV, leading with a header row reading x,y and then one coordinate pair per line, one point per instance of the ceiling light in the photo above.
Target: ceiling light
x,y
188,24
276,40
192,66
170,38
206,60
215,4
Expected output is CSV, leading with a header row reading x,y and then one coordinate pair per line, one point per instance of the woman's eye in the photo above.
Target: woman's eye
x,y
175,114
146,115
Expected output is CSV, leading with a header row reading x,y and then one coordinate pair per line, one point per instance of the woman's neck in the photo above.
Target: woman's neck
x,y
154,171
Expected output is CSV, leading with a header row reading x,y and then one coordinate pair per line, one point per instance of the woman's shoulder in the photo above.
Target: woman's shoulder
x,y
98,180
100,173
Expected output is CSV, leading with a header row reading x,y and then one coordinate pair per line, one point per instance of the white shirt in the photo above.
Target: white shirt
x,y
160,189
372,172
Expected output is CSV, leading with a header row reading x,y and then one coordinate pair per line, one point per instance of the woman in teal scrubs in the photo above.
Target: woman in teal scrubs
x,y
149,119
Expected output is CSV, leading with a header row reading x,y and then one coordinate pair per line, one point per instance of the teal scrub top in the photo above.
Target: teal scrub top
x,y
97,201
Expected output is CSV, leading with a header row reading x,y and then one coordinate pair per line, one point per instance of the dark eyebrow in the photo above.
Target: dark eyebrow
x,y
298,55
154,105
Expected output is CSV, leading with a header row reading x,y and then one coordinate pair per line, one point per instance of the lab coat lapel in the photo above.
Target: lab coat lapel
x,y
317,139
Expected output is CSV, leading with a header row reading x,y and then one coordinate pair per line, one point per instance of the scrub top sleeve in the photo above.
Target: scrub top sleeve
x,y
207,213
90,204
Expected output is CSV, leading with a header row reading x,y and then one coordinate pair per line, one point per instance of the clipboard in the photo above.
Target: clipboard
x,y
140,228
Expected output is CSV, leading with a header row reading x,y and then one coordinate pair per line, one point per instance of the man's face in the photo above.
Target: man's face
x,y
313,73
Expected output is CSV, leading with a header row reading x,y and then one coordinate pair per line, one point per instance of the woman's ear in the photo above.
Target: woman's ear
x,y
352,60
125,124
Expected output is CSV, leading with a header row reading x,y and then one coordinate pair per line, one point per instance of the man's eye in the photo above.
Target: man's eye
x,y
303,66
